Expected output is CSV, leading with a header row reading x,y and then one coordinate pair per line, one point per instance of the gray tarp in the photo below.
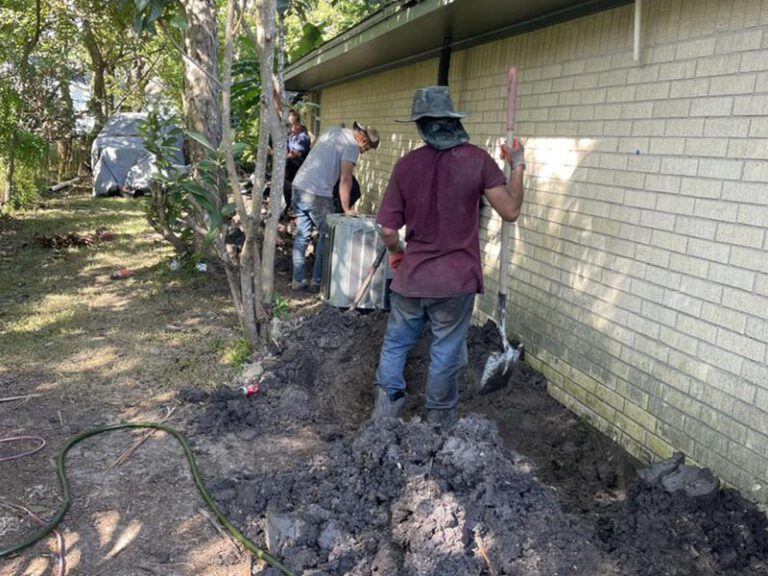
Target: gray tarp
x,y
119,159
145,170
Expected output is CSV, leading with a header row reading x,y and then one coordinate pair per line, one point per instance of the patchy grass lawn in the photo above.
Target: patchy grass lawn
x,y
83,349
66,326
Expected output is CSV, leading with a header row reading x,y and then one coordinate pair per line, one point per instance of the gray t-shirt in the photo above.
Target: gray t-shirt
x,y
322,168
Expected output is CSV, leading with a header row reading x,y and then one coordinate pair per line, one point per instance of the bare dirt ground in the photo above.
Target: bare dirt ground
x,y
519,487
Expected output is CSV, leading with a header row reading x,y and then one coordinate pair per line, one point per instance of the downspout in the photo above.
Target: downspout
x,y
445,63
636,42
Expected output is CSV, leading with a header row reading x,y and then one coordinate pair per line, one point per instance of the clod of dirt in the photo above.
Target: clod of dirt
x,y
674,475
192,395
694,481
655,472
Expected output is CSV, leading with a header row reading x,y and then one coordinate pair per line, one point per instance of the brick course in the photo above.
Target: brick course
x,y
639,269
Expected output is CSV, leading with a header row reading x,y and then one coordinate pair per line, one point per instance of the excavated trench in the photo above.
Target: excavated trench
x,y
519,487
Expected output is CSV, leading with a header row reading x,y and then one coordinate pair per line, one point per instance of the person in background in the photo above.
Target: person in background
x,y
298,148
331,159
435,192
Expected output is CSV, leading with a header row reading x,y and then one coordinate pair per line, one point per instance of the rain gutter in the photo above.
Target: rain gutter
x,y
388,18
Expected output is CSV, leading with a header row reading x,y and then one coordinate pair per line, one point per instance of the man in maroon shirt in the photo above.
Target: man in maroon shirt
x,y
435,191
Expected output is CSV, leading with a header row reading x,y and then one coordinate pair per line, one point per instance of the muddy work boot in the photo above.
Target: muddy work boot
x,y
385,407
442,419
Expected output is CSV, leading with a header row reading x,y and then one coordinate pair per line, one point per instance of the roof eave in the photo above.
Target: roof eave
x,y
332,63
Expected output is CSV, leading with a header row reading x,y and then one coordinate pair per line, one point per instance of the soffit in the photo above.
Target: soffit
x,y
407,31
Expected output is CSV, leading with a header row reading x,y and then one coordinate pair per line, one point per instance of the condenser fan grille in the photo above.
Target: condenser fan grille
x,y
351,245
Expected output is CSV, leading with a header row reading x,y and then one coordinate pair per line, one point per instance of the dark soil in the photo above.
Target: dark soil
x,y
520,486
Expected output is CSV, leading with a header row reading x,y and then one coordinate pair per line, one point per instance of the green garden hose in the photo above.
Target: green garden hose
x,y
60,470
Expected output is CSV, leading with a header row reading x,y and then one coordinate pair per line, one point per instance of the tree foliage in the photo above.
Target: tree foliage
x,y
309,23
217,63
48,55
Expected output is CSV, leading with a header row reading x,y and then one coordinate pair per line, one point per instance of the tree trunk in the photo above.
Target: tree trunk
x,y
276,124
63,158
10,168
29,45
254,318
158,218
201,87
64,141
98,102
136,82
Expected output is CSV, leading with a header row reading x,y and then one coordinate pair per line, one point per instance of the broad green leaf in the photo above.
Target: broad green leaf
x,y
138,23
200,139
179,22
155,11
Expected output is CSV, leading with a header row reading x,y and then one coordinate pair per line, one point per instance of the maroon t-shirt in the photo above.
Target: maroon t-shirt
x,y
436,194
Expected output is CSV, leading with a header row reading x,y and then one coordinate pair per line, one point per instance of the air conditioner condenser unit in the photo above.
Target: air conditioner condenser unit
x,y
350,248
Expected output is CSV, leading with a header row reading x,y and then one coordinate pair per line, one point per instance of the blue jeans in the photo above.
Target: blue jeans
x,y
310,210
449,320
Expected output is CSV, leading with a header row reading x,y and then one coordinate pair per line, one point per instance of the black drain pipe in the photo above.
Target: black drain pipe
x,y
445,63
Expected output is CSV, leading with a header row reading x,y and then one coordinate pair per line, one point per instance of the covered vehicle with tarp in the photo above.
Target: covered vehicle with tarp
x,y
119,158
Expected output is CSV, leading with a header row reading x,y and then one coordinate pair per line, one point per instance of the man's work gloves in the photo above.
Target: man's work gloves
x,y
395,259
514,154
395,255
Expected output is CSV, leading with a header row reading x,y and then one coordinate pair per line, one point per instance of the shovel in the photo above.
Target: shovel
x,y
363,290
497,368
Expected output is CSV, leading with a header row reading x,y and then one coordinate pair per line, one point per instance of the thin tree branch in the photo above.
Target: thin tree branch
x,y
138,81
186,56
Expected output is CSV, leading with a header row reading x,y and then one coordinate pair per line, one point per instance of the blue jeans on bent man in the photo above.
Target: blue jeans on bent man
x,y
449,320
310,210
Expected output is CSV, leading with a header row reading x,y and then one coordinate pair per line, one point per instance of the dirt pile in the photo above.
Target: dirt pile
x,y
321,376
400,499
396,497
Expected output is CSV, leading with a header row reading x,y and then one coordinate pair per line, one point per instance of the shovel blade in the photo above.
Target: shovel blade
x,y
498,369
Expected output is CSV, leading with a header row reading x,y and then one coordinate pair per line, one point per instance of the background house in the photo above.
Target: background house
x,y
639,267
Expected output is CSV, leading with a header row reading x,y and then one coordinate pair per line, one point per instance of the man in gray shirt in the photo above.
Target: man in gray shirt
x,y
331,159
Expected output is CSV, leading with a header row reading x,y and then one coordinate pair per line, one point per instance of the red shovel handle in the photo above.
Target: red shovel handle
x,y
511,98
512,142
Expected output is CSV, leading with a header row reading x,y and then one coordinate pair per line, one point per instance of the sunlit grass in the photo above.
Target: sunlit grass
x,y
48,323
236,352
67,324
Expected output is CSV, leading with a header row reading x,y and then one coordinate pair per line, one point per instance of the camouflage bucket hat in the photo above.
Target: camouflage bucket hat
x,y
432,102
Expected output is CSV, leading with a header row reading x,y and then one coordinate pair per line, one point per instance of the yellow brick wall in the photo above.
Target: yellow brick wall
x,y
639,267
